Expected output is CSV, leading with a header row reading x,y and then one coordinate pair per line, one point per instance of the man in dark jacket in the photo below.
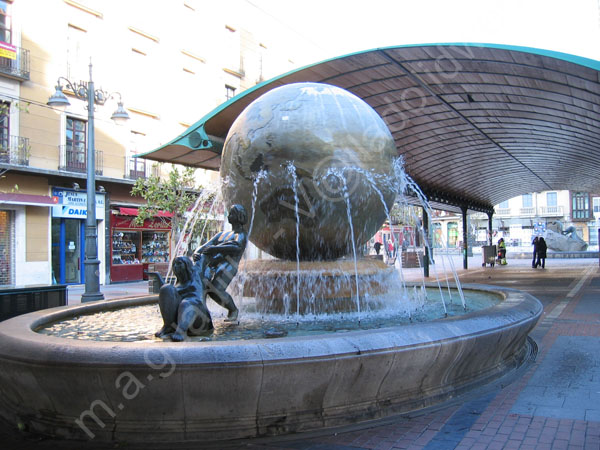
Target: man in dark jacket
x,y
541,253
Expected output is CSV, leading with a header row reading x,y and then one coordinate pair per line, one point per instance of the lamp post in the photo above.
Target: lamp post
x,y
85,91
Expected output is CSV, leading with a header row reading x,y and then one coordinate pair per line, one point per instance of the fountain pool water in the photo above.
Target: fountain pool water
x,y
139,323
314,165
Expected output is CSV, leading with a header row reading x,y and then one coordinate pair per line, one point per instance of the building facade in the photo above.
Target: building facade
x,y
170,64
521,218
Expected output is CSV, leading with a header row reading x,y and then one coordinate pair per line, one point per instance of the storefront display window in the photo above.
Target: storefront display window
x,y
135,248
155,247
452,234
125,246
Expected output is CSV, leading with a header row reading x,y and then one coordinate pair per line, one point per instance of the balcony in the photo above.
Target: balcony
x,y
135,168
73,159
15,150
551,211
503,211
478,216
140,168
18,68
528,211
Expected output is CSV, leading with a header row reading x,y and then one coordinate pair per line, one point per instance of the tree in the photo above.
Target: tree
x,y
177,195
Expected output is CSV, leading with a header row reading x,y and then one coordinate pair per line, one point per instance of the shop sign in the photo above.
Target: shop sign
x,y
8,51
73,204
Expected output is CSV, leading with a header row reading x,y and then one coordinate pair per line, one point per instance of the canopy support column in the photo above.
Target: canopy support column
x,y
464,238
490,215
425,243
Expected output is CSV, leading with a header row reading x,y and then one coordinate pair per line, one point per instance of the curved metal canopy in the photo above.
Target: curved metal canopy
x,y
476,124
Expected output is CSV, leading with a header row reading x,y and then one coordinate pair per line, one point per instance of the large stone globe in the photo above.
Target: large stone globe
x,y
313,166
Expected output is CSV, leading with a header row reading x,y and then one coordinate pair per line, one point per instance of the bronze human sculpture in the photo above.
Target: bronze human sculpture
x,y
183,305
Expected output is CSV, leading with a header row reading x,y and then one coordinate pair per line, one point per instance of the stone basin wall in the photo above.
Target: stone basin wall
x,y
204,391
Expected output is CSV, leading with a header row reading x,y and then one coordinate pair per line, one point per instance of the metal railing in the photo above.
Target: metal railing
x,y
478,216
527,211
16,68
15,150
135,168
73,159
503,211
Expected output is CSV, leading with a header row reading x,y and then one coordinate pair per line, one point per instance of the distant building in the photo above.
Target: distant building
x,y
519,219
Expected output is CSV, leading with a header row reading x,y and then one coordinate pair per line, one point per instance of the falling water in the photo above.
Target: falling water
x,y
193,215
349,213
373,185
260,175
292,170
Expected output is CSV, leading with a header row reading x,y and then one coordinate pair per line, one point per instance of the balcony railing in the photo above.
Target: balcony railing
x,y
74,160
16,68
551,211
15,150
503,211
478,216
135,168
528,211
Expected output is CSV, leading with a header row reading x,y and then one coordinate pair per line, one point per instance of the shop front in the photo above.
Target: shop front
x,y
68,234
136,248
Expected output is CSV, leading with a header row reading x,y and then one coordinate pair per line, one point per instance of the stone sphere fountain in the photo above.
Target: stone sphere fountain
x,y
315,165
336,147
311,163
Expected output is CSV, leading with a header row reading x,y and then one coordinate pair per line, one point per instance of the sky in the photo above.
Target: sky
x,y
337,27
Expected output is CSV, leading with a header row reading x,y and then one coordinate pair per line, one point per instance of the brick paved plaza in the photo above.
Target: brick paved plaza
x,y
551,403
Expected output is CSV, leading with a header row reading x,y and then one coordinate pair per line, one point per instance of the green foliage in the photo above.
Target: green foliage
x,y
175,195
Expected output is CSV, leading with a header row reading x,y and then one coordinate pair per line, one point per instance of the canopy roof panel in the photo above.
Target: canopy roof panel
x,y
476,124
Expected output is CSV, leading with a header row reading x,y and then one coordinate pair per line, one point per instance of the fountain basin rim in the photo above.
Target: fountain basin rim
x,y
19,341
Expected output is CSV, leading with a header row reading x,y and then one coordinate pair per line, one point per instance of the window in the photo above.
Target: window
x,y
503,205
596,201
137,166
580,205
527,201
229,91
231,49
77,53
551,199
5,23
76,144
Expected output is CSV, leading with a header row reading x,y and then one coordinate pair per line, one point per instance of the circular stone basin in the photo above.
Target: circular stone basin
x,y
148,391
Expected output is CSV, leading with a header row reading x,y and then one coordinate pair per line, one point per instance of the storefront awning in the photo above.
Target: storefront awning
x,y
134,212
28,199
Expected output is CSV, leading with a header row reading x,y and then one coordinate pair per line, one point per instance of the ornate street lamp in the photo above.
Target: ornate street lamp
x,y
94,97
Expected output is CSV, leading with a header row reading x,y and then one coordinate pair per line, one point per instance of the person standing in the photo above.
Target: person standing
x,y
541,253
502,251
377,247
535,252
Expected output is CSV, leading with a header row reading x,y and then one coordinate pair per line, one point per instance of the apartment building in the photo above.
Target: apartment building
x,y
169,64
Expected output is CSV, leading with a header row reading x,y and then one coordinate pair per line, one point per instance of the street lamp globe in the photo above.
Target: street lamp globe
x,y
120,115
58,99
